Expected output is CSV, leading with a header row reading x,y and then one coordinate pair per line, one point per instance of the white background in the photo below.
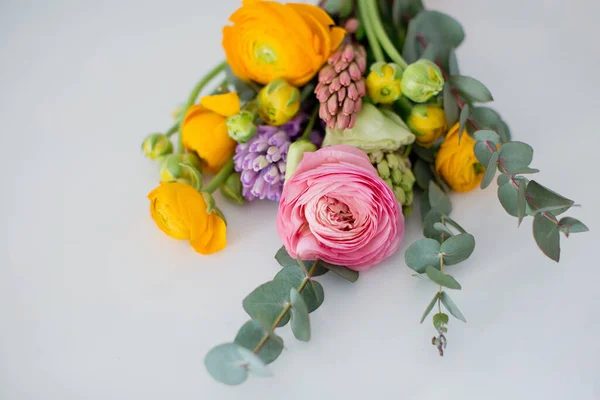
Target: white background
x,y
97,303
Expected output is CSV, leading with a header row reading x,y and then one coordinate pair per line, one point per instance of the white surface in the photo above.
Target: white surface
x,y
97,303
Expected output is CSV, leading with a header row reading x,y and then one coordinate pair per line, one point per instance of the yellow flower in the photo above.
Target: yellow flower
x,y
205,132
179,210
278,102
428,122
270,40
456,162
383,83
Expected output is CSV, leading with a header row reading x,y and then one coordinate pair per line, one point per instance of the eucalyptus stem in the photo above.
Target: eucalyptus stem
x,y
372,12
194,95
286,309
443,236
172,130
370,32
311,124
220,178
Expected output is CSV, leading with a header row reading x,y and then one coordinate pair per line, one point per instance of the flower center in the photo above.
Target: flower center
x,y
264,53
334,213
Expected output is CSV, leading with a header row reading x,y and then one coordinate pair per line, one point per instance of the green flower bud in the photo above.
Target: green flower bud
x,y
172,170
232,188
383,169
157,145
422,80
294,155
397,177
241,127
395,170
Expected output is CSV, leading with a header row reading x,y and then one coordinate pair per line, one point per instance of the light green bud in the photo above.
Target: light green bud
x,y
393,160
156,146
241,127
383,169
294,155
232,188
399,194
396,176
422,80
172,170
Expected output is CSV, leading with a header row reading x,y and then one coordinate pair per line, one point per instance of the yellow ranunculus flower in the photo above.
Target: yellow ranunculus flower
x,y
179,210
456,162
428,122
270,40
205,132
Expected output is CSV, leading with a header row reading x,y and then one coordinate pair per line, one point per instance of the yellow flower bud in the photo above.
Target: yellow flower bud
x,y
278,102
422,80
171,169
428,123
157,145
456,162
384,83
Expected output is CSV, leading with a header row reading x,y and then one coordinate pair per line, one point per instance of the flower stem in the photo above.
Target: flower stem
x,y
194,95
371,36
172,130
220,178
286,309
372,12
311,124
441,270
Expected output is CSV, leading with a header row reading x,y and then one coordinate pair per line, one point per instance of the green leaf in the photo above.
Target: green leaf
x,y
508,194
424,153
194,174
432,218
483,152
542,199
490,171
423,174
452,307
570,225
244,91
285,260
300,320
437,28
455,224
424,204
438,226
521,203
422,253
251,333
486,135
346,273
457,248
438,199
503,178
230,363
430,307
464,115
453,64
515,156
440,319
441,278
486,118
470,88
312,293
451,108
546,234
268,301
405,9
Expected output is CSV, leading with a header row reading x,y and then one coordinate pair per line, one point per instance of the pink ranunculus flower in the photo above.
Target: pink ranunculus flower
x,y
337,209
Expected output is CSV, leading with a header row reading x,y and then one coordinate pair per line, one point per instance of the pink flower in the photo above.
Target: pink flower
x,y
337,209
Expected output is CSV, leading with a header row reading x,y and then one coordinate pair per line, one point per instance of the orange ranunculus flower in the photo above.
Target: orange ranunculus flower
x,y
270,40
456,162
205,132
179,210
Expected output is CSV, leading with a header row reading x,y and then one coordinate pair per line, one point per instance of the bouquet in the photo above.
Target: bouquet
x,y
345,114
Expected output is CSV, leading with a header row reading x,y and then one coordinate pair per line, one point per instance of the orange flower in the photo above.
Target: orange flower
x,y
205,132
456,162
179,210
270,40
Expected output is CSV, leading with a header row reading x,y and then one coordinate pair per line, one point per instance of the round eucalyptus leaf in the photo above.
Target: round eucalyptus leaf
x,y
441,278
300,320
438,226
229,363
486,118
515,156
483,152
490,171
438,199
457,248
432,218
543,199
312,293
453,64
422,253
251,333
546,234
452,307
470,88
451,108
440,319
423,174
283,258
268,301
486,135
570,225
508,194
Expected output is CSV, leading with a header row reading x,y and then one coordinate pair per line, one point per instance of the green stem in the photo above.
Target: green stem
x,y
286,309
371,36
194,95
311,124
372,13
172,130
220,178
441,270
